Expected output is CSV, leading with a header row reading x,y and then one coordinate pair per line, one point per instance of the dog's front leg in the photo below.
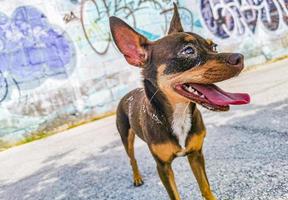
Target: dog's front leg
x,y
197,163
164,154
167,177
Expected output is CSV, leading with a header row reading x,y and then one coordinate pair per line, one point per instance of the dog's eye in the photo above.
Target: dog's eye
x,y
188,51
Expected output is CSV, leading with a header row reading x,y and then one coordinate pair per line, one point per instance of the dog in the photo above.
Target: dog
x,y
179,71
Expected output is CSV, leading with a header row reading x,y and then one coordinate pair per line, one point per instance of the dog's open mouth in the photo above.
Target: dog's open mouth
x,y
210,96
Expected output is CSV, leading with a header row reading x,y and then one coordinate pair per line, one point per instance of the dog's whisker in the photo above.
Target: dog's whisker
x,y
186,108
153,95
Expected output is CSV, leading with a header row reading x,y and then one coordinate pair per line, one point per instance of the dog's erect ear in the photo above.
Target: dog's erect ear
x,y
130,43
175,24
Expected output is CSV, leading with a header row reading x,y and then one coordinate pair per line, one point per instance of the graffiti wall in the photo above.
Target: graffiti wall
x,y
59,66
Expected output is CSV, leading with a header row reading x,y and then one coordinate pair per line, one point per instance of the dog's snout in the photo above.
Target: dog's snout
x,y
235,59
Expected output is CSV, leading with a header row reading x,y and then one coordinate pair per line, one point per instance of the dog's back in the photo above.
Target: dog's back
x,y
130,112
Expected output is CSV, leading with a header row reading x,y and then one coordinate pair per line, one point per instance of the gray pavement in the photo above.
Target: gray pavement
x,y
246,153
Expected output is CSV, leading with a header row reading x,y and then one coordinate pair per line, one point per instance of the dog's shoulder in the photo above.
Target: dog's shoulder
x,y
133,96
131,99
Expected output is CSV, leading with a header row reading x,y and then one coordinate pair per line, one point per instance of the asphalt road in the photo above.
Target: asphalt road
x,y
246,154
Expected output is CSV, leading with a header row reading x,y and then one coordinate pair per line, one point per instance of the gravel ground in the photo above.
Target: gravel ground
x,y
246,154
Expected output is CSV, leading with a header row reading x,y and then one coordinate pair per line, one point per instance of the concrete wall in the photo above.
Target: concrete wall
x,y
59,67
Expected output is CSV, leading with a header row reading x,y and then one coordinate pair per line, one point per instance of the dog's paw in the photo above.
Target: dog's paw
x,y
211,197
138,182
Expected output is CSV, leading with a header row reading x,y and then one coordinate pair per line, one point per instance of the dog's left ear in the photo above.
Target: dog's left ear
x,y
130,43
175,24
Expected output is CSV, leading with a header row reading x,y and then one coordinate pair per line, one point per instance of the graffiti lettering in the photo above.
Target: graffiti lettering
x,y
70,17
94,17
227,18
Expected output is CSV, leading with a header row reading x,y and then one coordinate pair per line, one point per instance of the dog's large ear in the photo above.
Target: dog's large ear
x,y
175,24
130,43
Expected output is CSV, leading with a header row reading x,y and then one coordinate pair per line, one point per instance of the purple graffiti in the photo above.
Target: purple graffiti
x,y
226,18
32,50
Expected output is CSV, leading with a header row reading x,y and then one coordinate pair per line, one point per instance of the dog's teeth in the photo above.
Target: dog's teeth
x,y
193,91
186,87
190,89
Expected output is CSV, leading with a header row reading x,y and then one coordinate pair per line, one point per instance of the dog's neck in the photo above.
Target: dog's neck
x,y
157,100
178,117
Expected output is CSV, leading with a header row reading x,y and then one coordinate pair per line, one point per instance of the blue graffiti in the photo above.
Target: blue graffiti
x,y
198,23
74,1
32,50
148,35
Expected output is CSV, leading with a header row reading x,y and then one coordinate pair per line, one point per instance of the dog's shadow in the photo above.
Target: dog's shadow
x,y
246,158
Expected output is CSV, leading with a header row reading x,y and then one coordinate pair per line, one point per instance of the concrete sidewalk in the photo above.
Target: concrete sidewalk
x,y
246,151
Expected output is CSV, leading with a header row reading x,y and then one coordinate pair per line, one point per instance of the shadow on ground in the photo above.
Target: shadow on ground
x,y
247,159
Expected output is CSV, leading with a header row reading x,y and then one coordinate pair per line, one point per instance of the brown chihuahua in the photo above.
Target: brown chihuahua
x,y
178,71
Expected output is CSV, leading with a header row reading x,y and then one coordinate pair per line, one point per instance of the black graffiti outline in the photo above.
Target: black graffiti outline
x,y
107,12
6,88
84,28
131,12
3,98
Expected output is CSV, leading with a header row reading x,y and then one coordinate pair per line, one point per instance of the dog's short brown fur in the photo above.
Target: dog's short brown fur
x,y
156,112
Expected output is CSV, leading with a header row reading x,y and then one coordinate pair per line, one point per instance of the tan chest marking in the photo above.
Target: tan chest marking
x,y
165,151
194,143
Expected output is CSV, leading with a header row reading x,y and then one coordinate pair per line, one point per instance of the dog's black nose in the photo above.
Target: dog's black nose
x,y
235,59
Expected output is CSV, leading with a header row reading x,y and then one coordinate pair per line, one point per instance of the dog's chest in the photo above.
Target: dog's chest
x,y
181,123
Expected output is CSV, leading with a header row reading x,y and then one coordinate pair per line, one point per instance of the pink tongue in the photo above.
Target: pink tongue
x,y
220,97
